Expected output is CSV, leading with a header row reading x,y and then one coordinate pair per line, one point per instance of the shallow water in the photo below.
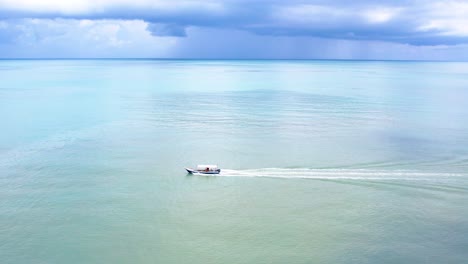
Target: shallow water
x,y
322,161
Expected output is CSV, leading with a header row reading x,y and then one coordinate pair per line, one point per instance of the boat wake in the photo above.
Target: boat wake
x,y
351,174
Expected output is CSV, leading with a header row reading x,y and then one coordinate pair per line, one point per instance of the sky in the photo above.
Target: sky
x,y
235,29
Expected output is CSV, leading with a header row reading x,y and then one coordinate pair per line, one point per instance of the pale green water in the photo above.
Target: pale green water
x,y
323,162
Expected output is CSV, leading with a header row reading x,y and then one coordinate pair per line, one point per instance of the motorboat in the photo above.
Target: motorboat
x,y
204,169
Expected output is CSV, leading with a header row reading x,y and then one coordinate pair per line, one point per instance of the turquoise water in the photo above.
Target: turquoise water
x,y
323,161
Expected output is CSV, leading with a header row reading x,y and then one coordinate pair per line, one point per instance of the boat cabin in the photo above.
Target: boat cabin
x,y
207,168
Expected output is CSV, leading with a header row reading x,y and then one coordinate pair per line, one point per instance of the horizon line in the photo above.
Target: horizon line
x,y
233,59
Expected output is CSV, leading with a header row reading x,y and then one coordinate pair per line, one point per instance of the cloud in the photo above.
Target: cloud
x,y
82,38
403,21
235,44
106,7
8,34
59,38
381,15
166,30
299,29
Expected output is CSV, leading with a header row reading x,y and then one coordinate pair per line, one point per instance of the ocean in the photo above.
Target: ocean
x,y
322,161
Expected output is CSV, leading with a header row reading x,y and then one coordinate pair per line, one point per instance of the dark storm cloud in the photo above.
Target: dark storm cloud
x,y
408,22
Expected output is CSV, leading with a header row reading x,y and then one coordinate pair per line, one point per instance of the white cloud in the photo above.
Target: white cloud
x,y
83,38
306,13
380,15
448,26
449,18
87,7
320,15
105,34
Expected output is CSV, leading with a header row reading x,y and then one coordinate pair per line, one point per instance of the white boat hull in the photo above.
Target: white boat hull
x,y
192,171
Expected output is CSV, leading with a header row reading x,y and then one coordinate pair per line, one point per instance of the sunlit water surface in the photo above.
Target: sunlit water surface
x,y
323,161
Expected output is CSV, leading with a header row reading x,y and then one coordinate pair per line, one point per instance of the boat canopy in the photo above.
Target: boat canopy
x,y
210,167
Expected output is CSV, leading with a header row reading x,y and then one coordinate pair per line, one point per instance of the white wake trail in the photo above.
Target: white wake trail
x,y
356,174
